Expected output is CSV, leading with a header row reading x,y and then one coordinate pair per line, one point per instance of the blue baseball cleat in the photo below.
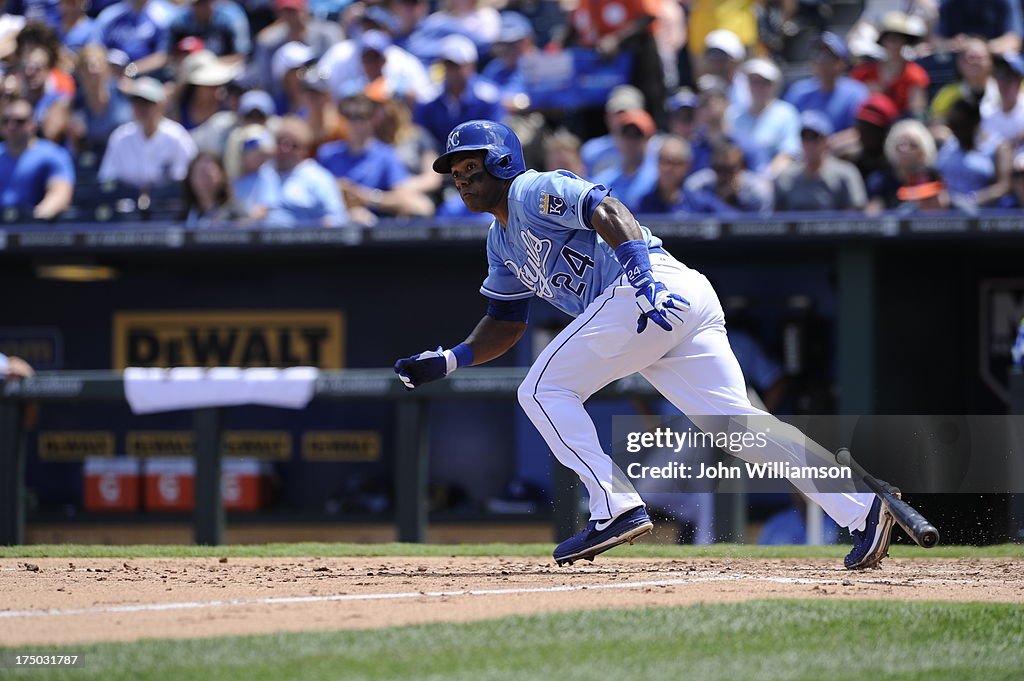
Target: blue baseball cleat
x,y
871,545
602,535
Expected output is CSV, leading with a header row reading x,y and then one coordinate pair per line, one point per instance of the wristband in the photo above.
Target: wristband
x,y
635,258
459,356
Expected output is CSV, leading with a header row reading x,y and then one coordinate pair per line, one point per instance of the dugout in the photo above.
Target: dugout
x,y
911,316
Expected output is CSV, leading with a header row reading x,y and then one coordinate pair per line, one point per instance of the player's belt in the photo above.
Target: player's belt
x,y
660,250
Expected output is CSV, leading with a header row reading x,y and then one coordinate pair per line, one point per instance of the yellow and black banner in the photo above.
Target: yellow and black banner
x,y
74,445
341,445
237,338
267,445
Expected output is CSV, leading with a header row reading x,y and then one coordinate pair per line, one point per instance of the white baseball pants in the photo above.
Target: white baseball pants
x,y
692,366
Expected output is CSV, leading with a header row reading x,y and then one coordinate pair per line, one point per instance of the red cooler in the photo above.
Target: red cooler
x,y
111,484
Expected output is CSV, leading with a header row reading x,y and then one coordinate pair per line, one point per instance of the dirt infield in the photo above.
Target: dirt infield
x,y
54,601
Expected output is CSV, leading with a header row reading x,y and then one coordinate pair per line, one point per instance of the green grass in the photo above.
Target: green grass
x,y
817,640
527,550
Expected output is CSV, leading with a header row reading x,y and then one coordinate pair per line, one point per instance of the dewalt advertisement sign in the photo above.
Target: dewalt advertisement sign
x,y
238,338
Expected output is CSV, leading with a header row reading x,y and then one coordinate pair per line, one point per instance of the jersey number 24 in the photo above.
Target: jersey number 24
x,y
578,263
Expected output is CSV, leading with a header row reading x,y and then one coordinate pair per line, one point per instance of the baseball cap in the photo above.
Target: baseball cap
x,y
315,80
256,100
817,122
374,41
382,18
709,83
878,110
725,41
834,44
457,49
683,99
257,137
149,89
290,56
624,98
206,68
763,68
289,4
638,118
514,27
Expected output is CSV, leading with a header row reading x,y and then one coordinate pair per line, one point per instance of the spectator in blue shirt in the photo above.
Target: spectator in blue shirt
x,y
999,22
514,41
465,97
46,11
829,90
600,153
769,128
976,166
727,188
76,28
101,106
711,124
140,29
634,173
220,24
293,189
256,148
674,156
369,171
36,176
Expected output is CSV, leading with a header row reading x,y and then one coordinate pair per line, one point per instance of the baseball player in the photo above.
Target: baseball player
x,y
636,309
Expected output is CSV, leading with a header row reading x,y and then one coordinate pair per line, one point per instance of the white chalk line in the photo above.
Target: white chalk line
x,y
288,600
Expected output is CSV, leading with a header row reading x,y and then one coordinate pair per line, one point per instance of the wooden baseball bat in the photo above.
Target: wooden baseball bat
x,y
908,517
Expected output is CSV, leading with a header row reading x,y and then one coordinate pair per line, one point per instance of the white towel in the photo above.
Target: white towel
x,y
155,390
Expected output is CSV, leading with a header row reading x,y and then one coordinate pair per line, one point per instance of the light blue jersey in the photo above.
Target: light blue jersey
x,y
548,248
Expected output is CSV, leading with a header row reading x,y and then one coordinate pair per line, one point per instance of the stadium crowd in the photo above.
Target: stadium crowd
x,y
287,112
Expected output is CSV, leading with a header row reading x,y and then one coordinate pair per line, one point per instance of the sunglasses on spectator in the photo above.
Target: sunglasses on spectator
x,y
672,161
725,169
16,120
809,136
288,143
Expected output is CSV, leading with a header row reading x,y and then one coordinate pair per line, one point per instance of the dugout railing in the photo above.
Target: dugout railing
x,y
411,442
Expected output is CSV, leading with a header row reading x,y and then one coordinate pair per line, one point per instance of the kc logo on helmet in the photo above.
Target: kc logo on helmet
x,y
453,139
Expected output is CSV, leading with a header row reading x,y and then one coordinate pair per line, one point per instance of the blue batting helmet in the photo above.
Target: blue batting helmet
x,y
504,157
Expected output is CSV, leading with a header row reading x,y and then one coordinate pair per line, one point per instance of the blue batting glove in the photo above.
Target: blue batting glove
x,y
425,367
657,304
655,301
431,365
